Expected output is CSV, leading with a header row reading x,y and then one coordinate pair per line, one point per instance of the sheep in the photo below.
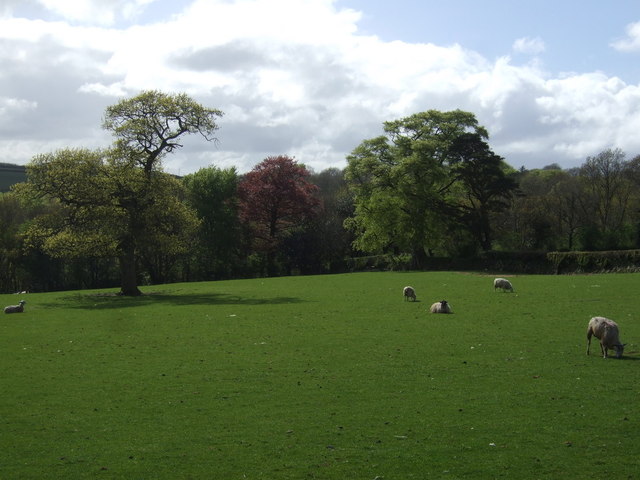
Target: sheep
x,y
409,292
502,283
608,333
441,307
15,308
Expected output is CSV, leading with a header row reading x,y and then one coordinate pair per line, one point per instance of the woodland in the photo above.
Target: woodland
x,y
428,187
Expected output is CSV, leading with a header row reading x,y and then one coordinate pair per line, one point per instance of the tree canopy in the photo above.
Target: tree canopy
x,y
407,182
275,199
119,201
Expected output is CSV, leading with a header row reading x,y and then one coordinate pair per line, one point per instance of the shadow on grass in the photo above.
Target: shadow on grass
x,y
113,301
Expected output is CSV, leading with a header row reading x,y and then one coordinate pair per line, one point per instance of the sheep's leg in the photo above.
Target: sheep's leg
x,y
604,350
589,333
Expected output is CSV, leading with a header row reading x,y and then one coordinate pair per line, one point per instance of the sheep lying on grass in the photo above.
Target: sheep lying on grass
x,y
441,307
15,308
608,333
409,293
502,283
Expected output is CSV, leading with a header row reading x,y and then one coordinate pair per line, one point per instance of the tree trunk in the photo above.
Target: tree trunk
x,y
485,231
128,274
419,257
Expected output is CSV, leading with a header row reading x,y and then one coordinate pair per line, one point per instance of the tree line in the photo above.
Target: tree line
x,y
428,186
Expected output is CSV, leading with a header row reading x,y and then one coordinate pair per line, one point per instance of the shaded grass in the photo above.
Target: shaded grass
x,y
322,377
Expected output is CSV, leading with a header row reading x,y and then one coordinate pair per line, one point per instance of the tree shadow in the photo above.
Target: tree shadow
x,y
104,301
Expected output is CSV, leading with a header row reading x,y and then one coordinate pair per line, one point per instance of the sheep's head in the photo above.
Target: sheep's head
x,y
619,349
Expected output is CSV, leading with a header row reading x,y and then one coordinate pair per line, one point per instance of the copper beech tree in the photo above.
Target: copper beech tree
x,y
276,199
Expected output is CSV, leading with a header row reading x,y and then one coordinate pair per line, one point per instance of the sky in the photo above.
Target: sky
x,y
552,81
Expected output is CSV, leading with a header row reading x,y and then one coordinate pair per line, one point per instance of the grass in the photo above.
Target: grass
x,y
326,377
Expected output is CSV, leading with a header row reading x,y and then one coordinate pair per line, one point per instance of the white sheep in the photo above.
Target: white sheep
x,y
607,332
15,308
441,307
409,292
502,283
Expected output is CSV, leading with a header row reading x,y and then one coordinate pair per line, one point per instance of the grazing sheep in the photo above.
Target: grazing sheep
x,y
502,283
441,307
409,292
607,332
15,308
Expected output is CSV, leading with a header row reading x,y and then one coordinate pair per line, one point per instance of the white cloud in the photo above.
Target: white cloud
x,y
11,110
293,77
632,42
532,46
97,12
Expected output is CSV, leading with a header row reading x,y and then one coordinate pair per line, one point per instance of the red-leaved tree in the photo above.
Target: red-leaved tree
x,y
276,199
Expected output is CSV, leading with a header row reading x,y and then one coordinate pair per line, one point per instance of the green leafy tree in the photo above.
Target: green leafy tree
x,y
13,215
212,193
606,180
402,180
119,201
486,187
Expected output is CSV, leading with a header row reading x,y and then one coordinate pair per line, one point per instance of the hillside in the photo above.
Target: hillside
x,y
11,174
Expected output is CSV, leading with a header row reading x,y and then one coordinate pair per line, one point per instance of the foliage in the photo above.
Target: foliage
x,y
429,189
594,207
324,241
150,125
329,377
485,185
119,202
590,262
212,193
276,199
403,183
105,207
13,215
607,188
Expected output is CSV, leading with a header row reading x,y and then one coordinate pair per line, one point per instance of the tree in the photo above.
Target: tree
x,y
529,223
331,242
276,198
149,126
13,214
401,183
485,184
119,201
212,193
564,200
605,179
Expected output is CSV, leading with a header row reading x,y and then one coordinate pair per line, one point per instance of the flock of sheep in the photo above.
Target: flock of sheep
x,y
602,328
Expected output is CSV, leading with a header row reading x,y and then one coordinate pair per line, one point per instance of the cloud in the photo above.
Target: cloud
x,y
103,12
293,77
533,46
632,42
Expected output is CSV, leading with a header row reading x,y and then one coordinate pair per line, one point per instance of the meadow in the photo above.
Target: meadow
x,y
322,377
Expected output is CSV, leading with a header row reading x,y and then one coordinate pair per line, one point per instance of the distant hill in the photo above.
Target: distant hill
x,y
11,174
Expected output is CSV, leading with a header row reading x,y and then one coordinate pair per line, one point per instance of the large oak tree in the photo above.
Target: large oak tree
x,y
402,183
119,201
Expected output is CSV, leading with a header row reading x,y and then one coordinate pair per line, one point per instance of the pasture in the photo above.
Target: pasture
x,y
325,377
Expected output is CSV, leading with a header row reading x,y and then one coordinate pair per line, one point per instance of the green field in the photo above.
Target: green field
x,y
325,377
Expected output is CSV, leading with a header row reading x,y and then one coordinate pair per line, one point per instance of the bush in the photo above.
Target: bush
x,y
595,262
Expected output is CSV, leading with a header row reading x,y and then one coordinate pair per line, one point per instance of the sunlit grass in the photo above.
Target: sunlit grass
x,y
327,377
